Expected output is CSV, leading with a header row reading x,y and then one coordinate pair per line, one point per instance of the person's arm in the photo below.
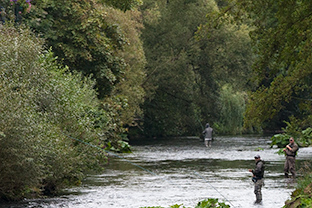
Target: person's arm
x,y
287,148
250,170
293,149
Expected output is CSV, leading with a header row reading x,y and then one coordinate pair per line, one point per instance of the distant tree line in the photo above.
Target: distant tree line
x,y
196,73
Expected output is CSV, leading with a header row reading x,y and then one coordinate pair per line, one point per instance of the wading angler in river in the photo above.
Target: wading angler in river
x,y
290,151
208,135
257,178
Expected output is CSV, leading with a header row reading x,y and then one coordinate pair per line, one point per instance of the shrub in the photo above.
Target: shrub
x,y
207,203
211,203
19,147
41,106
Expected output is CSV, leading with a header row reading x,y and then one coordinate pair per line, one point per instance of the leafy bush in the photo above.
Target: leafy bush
x,y
306,137
207,203
211,203
20,148
50,120
302,137
281,140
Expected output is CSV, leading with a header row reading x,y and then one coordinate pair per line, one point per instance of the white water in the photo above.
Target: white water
x,y
183,171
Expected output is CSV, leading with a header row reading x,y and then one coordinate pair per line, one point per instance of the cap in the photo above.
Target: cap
x,y
257,156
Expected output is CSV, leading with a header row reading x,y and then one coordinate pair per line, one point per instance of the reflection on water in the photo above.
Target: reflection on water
x,y
182,171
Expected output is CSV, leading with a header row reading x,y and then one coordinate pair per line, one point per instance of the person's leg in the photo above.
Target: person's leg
x,y
286,167
292,170
206,142
258,193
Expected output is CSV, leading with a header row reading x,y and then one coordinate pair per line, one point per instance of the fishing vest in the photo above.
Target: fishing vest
x,y
260,174
290,153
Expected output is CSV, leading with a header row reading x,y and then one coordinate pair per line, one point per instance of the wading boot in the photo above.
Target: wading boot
x,y
258,201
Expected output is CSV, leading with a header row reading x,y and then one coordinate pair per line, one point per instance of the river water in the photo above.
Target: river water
x,y
165,172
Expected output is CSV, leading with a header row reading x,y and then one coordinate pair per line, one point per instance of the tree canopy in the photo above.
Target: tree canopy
x,y
82,38
282,40
188,63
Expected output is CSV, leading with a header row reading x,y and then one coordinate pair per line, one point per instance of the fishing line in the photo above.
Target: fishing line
x,y
120,157
213,187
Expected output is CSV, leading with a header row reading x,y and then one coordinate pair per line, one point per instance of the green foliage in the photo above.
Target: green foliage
x,y
130,89
176,206
13,11
226,60
82,38
99,41
207,203
306,137
123,5
19,158
211,203
44,107
113,136
231,112
171,81
283,65
188,64
302,137
281,140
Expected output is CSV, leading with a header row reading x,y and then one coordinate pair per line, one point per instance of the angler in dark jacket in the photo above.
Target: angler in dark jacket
x,y
291,152
257,178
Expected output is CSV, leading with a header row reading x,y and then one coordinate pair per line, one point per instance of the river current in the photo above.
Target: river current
x,y
165,172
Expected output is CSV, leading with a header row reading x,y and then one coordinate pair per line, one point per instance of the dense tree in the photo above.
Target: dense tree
x,y
98,40
223,60
101,41
168,38
80,35
123,5
129,89
189,62
282,40
43,107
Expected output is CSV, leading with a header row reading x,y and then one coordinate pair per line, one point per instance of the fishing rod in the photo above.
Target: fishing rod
x,y
199,122
213,187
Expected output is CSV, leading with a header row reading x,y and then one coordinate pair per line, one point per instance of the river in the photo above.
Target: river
x,y
165,172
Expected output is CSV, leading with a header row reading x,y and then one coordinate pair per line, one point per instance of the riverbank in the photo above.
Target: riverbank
x,y
302,195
